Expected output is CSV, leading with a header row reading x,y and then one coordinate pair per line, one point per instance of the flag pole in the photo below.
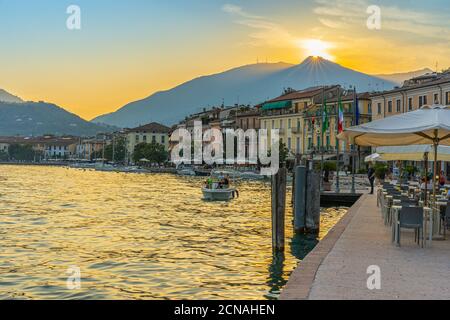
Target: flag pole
x,y
353,149
321,139
337,140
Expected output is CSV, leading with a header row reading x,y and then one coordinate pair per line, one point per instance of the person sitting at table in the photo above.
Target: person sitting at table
x,y
429,184
442,179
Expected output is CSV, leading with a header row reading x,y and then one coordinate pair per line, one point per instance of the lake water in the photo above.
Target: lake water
x,y
138,236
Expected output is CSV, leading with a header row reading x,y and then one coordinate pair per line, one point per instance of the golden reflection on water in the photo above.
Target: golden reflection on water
x,y
137,237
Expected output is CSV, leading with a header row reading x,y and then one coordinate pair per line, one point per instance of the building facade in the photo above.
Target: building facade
x,y
298,117
149,133
433,88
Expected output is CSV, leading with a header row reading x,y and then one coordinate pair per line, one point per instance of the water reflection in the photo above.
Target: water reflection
x,y
137,237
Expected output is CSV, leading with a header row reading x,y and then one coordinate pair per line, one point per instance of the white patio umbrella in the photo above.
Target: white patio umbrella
x,y
428,124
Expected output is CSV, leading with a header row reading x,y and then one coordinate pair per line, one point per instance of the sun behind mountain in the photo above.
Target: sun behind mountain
x,y
316,48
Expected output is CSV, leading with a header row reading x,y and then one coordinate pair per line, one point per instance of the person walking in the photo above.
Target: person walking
x,y
371,176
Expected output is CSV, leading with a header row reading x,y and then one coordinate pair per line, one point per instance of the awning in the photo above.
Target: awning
x,y
318,157
277,105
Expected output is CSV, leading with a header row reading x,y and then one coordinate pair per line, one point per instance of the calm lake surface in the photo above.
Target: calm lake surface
x,y
138,237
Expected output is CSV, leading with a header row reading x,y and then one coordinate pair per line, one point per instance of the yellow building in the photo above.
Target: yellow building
x,y
433,88
298,116
149,133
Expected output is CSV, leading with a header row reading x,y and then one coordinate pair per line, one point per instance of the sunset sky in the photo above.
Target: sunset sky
x,y
128,49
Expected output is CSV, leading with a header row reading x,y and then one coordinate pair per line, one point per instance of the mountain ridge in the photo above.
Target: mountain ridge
x,y
5,96
40,118
249,84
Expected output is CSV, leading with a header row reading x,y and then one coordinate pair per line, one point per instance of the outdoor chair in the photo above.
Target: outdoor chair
x,y
407,202
412,218
445,216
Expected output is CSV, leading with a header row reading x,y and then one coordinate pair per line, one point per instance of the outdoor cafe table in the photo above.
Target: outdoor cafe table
x,y
427,221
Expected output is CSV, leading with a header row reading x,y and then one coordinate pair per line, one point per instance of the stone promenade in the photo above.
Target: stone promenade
x,y
337,268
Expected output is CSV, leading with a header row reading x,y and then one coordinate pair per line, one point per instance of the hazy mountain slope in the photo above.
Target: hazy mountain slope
x,y
400,78
229,87
247,85
8,97
33,119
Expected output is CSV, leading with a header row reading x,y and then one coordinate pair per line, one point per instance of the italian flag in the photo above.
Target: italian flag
x,y
341,117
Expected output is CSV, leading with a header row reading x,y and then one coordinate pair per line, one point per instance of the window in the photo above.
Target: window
x,y
389,106
379,108
154,139
145,138
163,139
369,108
137,138
436,98
265,125
398,105
298,124
298,146
296,107
289,146
422,101
281,124
273,124
447,98
410,104
289,124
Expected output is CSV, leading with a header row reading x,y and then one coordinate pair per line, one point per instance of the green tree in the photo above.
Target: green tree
x,y
284,152
153,152
21,152
4,156
120,150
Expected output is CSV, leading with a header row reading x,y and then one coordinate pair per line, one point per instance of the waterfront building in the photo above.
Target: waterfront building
x,y
149,133
90,148
298,117
428,89
45,148
248,118
285,113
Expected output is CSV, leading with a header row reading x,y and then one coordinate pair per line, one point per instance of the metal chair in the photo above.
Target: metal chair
x,y
408,202
445,217
412,218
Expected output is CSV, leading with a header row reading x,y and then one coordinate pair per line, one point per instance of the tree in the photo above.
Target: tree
x,y
284,152
120,150
4,156
21,152
153,152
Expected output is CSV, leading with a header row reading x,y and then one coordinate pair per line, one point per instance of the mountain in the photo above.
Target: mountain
x,y
8,97
34,119
249,84
400,78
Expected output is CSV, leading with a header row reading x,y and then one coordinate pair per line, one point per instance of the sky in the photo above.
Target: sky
x,y
128,49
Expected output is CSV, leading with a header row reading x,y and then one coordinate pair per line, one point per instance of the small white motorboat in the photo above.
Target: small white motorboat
x,y
215,194
186,172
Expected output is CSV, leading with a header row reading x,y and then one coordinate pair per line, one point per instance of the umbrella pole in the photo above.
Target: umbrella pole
x,y
435,144
425,158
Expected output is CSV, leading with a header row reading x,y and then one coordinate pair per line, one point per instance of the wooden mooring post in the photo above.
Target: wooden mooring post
x,y
306,200
279,209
